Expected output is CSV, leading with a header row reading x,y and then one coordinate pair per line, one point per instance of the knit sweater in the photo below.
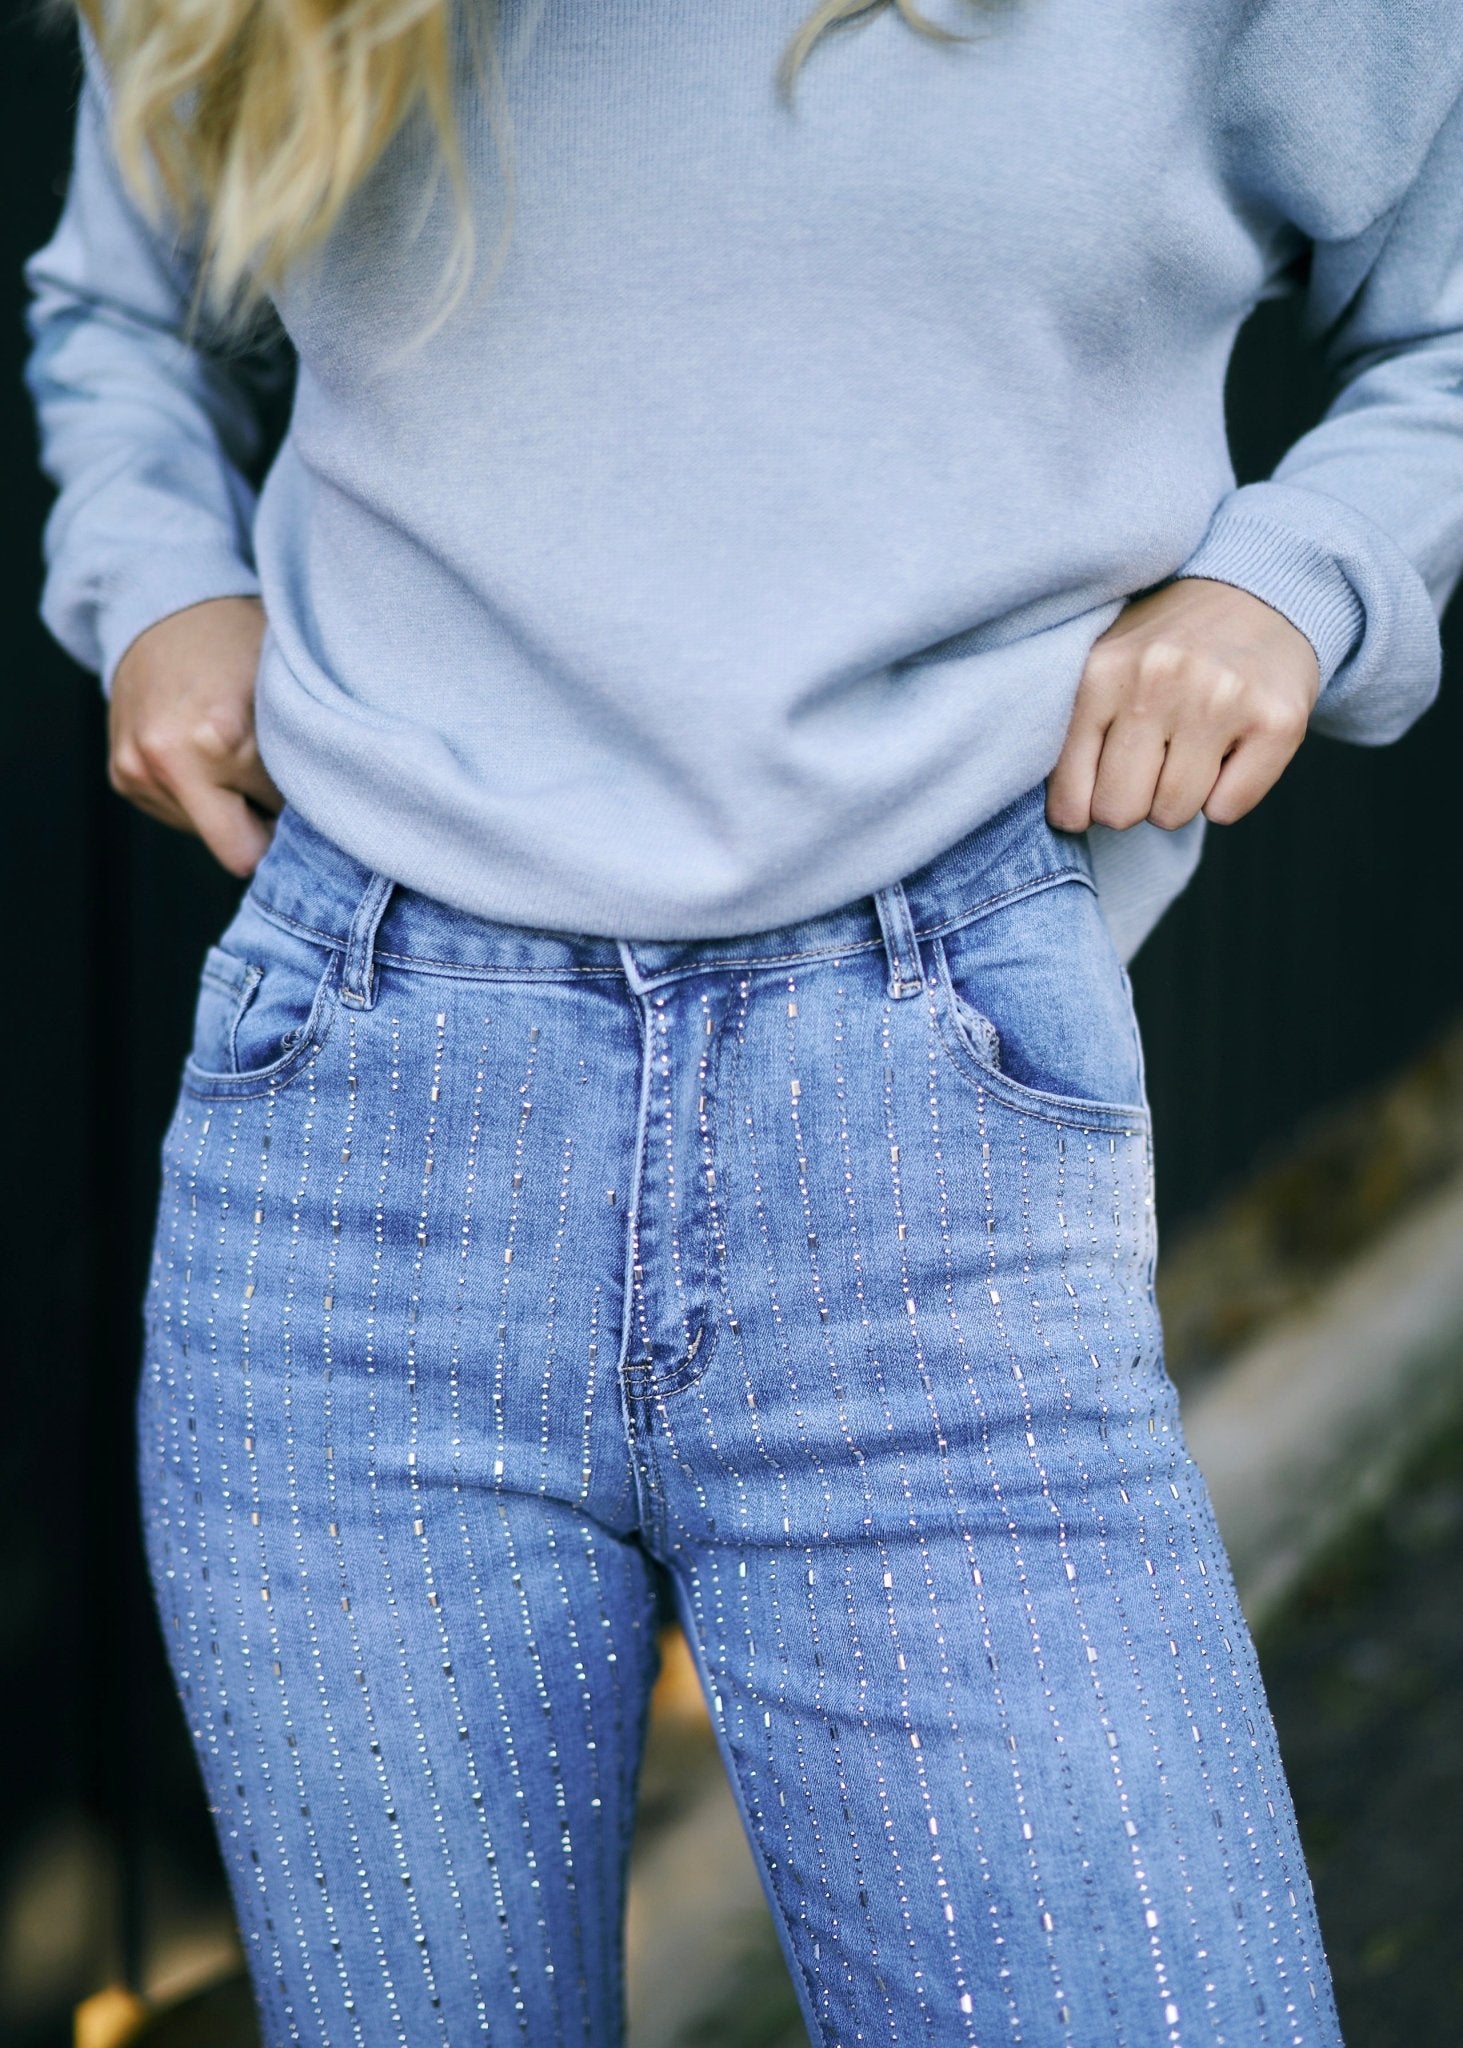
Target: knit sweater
x,y
737,542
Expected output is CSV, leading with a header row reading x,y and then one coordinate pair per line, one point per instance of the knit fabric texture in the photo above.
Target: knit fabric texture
x,y
737,544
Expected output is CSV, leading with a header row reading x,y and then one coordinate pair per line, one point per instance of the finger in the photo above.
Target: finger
x,y
1250,771
1069,786
230,758
151,798
1190,770
252,780
234,834
1127,773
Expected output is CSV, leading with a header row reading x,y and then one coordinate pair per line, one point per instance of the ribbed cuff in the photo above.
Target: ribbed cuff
x,y
171,587
1289,572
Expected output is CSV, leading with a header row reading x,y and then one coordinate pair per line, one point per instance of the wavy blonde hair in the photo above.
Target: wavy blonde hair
x,y
256,120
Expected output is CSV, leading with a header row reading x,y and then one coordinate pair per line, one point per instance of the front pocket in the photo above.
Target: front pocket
x,y
266,1000
224,989
1034,1005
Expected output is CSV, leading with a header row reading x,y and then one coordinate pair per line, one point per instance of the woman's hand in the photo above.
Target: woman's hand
x,y
1194,699
182,729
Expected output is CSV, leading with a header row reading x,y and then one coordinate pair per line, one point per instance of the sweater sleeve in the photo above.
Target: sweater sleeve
x,y
1357,537
155,443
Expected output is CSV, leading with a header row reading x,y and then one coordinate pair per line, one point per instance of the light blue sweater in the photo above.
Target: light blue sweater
x,y
739,546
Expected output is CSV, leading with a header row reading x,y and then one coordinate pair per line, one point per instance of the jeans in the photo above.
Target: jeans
x,y
512,1289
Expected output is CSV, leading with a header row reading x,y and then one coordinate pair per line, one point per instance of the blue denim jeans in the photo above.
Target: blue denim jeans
x,y
510,1286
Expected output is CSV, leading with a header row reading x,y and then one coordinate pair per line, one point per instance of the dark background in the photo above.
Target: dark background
x,y
1316,951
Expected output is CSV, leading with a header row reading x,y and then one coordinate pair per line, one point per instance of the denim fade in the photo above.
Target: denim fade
x,y
511,1288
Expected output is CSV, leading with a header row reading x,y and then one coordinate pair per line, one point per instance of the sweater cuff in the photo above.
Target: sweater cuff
x,y
1288,571
169,587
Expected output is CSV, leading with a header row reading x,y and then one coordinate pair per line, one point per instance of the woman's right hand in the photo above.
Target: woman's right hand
x,y
182,729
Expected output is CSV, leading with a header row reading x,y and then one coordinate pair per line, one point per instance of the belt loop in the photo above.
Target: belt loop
x,y
630,967
906,974
357,981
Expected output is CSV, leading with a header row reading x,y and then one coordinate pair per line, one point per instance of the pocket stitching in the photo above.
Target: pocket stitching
x,y
235,978
210,1083
1046,1104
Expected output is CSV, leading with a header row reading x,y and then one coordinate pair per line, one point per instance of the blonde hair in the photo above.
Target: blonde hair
x,y
260,118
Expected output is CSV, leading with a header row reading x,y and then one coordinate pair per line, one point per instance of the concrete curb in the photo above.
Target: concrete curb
x,y
1307,1428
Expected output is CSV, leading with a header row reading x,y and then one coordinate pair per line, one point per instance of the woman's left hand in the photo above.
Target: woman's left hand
x,y
1194,699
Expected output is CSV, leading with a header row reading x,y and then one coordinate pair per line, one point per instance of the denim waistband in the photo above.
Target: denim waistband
x,y
308,882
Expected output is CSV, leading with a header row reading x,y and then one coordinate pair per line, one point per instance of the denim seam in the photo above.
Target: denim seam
x,y
714,1279
644,1375
690,1370
784,1918
728,1075
639,1444
1069,1111
425,962
207,1086
465,971
1050,879
295,924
